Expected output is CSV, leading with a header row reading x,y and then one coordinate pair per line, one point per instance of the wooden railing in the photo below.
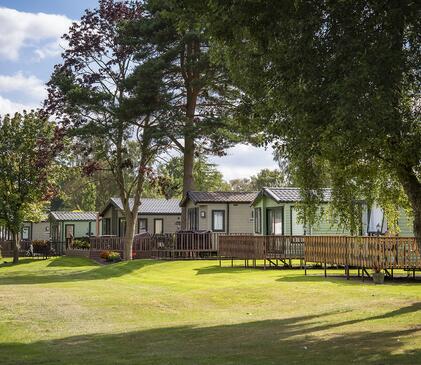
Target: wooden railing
x,y
365,252
173,245
34,248
261,247
103,243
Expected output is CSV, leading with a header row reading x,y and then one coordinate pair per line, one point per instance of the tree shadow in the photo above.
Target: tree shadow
x,y
64,261
7,262
342,280
296,340
86,272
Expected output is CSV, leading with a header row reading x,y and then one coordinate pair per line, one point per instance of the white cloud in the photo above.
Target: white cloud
x,y
10,107
36,30
242,161
29,86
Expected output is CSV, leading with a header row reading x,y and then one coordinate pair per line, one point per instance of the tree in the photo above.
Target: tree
x,y
205,174
198,92
264,178
91,92
28,147
76,191
337,85
268,178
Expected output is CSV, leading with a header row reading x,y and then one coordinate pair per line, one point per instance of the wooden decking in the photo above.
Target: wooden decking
x,y
273,250
364,252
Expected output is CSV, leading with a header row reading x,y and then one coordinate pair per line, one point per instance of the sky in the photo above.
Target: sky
x,y
30,45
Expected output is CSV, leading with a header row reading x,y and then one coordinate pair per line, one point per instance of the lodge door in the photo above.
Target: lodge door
x,y
275,221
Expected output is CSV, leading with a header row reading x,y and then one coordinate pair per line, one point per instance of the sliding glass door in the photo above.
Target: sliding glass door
x,y
275,221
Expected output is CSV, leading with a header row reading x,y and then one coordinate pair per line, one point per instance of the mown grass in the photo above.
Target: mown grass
x,y
73,311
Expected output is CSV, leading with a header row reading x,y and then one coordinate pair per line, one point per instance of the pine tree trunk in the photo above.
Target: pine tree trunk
x,y
16,247
129,236
188,180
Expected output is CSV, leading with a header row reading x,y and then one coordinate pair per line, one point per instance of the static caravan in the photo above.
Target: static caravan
x,y
223,212
156,216
66,225
276,213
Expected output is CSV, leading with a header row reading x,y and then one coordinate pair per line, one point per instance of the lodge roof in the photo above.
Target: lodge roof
x,y
150,205
219,197
289,194
73,216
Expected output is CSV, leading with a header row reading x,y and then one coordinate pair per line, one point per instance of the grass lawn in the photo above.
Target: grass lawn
x,y
72,311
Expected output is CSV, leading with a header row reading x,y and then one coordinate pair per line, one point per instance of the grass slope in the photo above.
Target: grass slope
x,y
72,311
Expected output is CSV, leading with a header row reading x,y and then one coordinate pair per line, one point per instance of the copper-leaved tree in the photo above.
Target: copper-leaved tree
x,y
91,94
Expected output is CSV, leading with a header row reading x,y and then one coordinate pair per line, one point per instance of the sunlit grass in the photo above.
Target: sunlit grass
x,y
73,311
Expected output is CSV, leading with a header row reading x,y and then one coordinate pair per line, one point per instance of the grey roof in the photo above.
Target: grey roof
x,y
291,194
74,216
153,206
220,197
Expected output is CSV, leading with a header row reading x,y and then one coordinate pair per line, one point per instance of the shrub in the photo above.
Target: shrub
x,y
40,244
113,257
104,254
81,244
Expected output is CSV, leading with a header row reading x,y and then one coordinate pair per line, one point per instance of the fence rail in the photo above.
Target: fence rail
x,y
261,247
32,248
173,245
365,252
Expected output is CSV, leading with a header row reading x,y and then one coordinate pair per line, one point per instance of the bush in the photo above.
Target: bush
x,y
81,244
104,254
110,256
40,244
113,257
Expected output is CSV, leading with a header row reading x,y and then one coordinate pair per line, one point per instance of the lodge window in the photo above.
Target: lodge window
x,y
193,218
25,233
158,226
142,225
257,220
106,226
218,220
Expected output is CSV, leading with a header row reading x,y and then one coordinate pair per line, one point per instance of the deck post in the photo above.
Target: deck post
x,y
264,263
220,261
305,267
347,272
325,269
232,262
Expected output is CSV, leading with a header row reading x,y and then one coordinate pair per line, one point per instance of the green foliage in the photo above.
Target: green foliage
x,y
336,85
265,178
81,244
206,176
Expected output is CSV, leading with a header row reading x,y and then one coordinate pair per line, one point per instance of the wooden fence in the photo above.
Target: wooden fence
x,y
249,247
32,248
182,245
364,252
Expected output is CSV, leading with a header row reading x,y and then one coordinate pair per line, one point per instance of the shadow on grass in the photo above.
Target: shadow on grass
x,y
88,271
7,262
64,261
337,278
287,341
